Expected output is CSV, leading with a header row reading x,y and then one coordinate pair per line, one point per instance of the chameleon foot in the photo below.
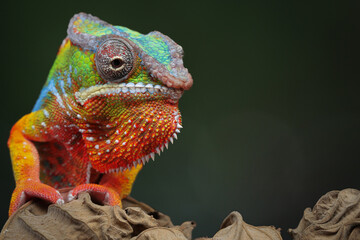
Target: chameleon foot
x,y
98,193
30,189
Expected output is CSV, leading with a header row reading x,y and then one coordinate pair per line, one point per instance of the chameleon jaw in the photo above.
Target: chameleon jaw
x,y
111,88
145,159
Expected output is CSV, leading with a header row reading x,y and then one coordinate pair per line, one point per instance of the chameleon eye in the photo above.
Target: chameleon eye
x,y
114,60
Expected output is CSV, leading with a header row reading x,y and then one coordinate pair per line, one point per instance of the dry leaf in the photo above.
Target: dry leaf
x,y
335,216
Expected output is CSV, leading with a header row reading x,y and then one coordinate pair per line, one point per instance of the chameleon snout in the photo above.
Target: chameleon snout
x,y
184,83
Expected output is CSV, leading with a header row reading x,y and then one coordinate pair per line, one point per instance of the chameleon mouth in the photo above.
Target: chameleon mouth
x,y
148,90
146,158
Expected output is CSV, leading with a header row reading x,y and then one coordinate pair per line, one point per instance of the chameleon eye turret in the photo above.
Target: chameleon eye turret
x,y
114,60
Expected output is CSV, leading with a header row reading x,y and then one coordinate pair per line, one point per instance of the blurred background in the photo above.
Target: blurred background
x,y
273,119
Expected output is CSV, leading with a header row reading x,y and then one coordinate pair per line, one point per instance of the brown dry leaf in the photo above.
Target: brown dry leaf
x,y
234,227
160,233
83,219
335,216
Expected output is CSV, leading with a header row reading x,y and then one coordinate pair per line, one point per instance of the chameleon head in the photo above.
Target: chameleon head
x,y
126,89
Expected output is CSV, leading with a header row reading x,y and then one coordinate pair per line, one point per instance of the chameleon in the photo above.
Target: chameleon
x,y
109,104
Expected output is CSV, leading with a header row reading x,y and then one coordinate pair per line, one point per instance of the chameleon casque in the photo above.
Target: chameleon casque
x,y
109,104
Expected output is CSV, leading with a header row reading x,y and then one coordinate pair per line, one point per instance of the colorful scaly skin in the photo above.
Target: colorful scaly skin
x,y
109,104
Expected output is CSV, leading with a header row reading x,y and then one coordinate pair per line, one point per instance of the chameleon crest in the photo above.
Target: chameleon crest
x,y
109,104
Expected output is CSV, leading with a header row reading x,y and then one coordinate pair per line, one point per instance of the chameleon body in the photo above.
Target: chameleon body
x,y
109,104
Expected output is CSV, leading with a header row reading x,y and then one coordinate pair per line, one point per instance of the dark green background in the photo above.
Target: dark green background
x,y
270,125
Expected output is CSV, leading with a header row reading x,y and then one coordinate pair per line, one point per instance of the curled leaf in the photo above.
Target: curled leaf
x,y
335,216
234,227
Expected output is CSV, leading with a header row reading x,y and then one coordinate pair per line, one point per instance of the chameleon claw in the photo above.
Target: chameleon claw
x,y
60,201
70,196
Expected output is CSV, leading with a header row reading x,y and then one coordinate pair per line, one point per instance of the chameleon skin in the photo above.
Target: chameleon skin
x,y
96,123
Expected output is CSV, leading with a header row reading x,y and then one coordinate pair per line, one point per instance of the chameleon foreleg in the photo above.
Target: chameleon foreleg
x,y
25,162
